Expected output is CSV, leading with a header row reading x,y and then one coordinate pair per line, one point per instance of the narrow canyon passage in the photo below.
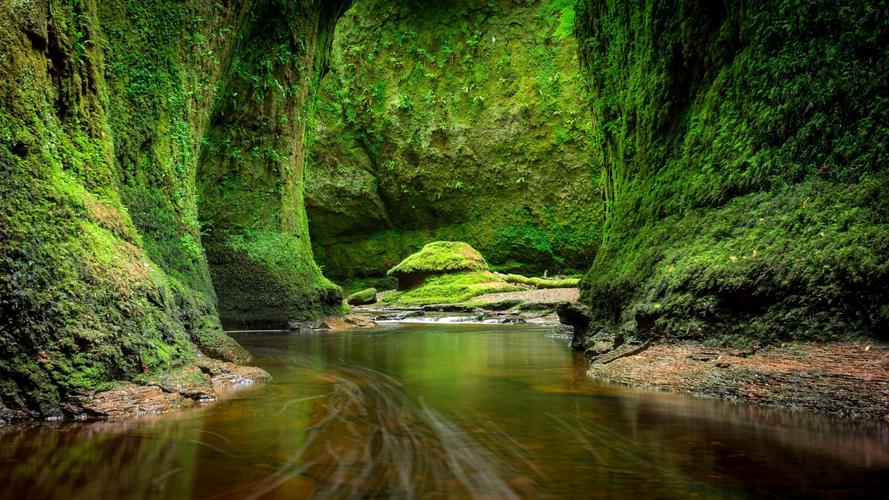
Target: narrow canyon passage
x,y
444,249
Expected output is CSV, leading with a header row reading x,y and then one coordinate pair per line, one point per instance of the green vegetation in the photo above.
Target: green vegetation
x,y
380,283
462,121
743,151
450,288
363,297
162,162
444,272
542,282
251,173
103,278
441,257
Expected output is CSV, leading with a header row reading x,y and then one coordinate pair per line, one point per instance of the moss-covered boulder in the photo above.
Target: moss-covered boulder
x,y
363,297
438,257
444,272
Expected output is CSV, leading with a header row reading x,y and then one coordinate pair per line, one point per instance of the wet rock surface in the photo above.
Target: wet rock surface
x,y
335,323
599,344
843,378
131,400
848,379
528,299
461,313
227,375
578,316
511,319
204,382
399,316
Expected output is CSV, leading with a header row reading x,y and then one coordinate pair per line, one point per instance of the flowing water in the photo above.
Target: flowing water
x,y
445,410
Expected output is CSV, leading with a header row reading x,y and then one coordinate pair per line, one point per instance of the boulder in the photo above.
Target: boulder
x,y
438,257
366,296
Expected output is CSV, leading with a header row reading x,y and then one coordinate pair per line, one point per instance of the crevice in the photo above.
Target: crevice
x,y
57,65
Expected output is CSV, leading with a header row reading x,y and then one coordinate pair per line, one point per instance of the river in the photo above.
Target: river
x,y
445,411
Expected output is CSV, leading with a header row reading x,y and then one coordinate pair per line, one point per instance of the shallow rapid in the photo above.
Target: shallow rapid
x,y
444,410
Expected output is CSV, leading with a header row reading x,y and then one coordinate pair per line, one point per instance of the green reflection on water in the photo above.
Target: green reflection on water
x,y
444,410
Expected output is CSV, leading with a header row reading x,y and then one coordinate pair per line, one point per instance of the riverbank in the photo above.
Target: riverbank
x,y
201,383
848,379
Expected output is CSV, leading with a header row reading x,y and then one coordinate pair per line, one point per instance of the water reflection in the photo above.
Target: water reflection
x,y
78,460
445,411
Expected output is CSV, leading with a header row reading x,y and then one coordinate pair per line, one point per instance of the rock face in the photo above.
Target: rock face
x,y
744,166
578,317
109,111
462,120
151,166
182,388
250,178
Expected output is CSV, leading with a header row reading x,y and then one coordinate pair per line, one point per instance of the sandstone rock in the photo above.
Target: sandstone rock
x,y
578,316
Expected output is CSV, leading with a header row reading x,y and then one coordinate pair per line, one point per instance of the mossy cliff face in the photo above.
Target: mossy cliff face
x,y
743,148
457,120
102,109
251,175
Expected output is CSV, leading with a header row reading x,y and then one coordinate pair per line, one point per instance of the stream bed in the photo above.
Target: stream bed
x,y
443,411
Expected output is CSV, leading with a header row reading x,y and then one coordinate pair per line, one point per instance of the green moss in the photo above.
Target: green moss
x,y
366,296
806,263
742,149
381,283
450,288
444,272
739,149
456,121
542,282
251,167
269,277
565,11
102,273
441,257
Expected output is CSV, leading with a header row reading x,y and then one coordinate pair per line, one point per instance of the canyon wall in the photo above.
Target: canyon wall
x,y
251,169
462,120
743,148
106,110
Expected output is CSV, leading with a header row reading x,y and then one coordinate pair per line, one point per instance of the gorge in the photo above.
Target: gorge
x,y
173,170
